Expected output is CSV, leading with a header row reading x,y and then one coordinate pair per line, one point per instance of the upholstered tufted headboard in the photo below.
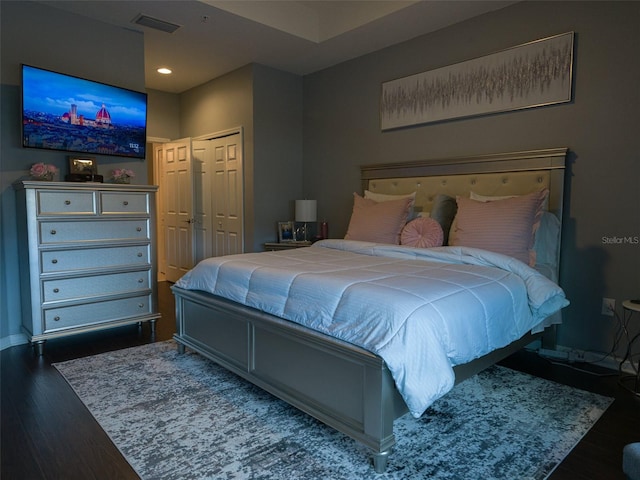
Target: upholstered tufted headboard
x,y
500,174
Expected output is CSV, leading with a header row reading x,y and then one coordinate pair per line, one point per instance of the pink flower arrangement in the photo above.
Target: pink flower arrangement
x,y
122,175
43,171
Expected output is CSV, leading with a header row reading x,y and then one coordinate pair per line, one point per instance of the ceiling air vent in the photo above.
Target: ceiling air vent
x,y
147,21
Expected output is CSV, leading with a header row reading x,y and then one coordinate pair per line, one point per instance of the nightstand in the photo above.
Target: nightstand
x,y
631,381
273,246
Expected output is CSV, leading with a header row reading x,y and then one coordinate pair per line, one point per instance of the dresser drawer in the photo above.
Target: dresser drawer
x,y
105,230
117,203
90,258
66,203
96,285
98,312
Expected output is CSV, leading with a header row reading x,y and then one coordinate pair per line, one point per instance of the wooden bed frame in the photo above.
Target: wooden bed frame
x,y
344,386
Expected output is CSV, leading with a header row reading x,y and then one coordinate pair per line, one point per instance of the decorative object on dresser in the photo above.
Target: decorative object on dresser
x,y
43,172
83,169
122,175
87,257
84,165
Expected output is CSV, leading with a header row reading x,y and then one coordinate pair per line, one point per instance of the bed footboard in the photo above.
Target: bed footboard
x,y
343,386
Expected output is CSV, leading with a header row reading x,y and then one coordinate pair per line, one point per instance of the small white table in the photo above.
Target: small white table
x,y
630,381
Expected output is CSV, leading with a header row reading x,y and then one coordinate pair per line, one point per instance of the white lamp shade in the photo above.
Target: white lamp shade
x,y
306,210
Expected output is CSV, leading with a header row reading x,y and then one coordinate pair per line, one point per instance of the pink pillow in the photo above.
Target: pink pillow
x,y
503,226
423,232
379,222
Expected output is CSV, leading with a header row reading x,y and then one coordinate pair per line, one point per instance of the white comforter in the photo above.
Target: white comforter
x,y
422,310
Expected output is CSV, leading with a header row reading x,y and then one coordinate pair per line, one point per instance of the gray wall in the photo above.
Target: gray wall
x,y
163,120
267,104
45,37
253,97
601,125
341,131
278,150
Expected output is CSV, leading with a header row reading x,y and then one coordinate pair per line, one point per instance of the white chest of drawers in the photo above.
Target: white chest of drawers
x,y
87,257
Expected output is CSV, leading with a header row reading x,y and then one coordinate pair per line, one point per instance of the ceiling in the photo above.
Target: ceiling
x,y
218,36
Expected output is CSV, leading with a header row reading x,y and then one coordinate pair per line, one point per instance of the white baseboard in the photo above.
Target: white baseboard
x,y
13,340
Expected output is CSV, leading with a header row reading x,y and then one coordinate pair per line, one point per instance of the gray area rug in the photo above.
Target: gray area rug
x,y
183,417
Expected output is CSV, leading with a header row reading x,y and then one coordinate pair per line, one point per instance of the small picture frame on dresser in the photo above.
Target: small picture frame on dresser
x,y
286,232
83,169
83,165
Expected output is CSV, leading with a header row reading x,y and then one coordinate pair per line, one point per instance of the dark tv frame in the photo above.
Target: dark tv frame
x,y
91,149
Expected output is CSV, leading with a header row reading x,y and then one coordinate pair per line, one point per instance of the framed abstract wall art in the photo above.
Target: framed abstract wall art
x,y
535,74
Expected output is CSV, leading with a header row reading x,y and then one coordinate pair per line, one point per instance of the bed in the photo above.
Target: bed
x,y
359,377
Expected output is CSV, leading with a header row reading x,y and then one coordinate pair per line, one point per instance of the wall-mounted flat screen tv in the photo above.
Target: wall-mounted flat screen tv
x,y
62,112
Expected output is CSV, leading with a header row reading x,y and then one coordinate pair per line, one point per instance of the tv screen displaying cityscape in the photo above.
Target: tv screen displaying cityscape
x,y
62,112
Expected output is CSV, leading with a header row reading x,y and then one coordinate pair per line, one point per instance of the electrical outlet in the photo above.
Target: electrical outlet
x,y
608,306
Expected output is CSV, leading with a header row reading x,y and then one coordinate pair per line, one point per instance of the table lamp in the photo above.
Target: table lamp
x,y
306,211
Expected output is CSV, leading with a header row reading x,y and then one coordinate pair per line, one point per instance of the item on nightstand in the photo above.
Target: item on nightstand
x,y
305,213
324,229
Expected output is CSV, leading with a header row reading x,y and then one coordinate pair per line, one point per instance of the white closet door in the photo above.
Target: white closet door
x,y
219,196
178,209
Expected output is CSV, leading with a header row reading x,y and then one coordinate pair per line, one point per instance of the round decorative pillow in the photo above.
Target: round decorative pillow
x,y
422,232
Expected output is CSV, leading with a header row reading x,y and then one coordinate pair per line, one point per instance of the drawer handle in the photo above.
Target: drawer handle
x,y
125,203
140,305
55,260
56,290
67,202
56,319
139,229
53,232
139,254
140,280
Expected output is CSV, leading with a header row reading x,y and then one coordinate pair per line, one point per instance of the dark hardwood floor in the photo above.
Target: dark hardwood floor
x,y
47,433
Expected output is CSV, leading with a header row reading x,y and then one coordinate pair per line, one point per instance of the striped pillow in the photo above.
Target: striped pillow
x,y
503,226
379,222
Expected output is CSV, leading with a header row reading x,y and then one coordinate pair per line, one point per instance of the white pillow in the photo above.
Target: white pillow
x,y
386,197
490,198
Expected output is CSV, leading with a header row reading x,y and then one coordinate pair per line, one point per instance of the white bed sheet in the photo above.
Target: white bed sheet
x,y
422,310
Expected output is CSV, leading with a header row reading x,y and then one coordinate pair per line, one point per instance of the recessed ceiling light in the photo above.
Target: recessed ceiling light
x,y
164,70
